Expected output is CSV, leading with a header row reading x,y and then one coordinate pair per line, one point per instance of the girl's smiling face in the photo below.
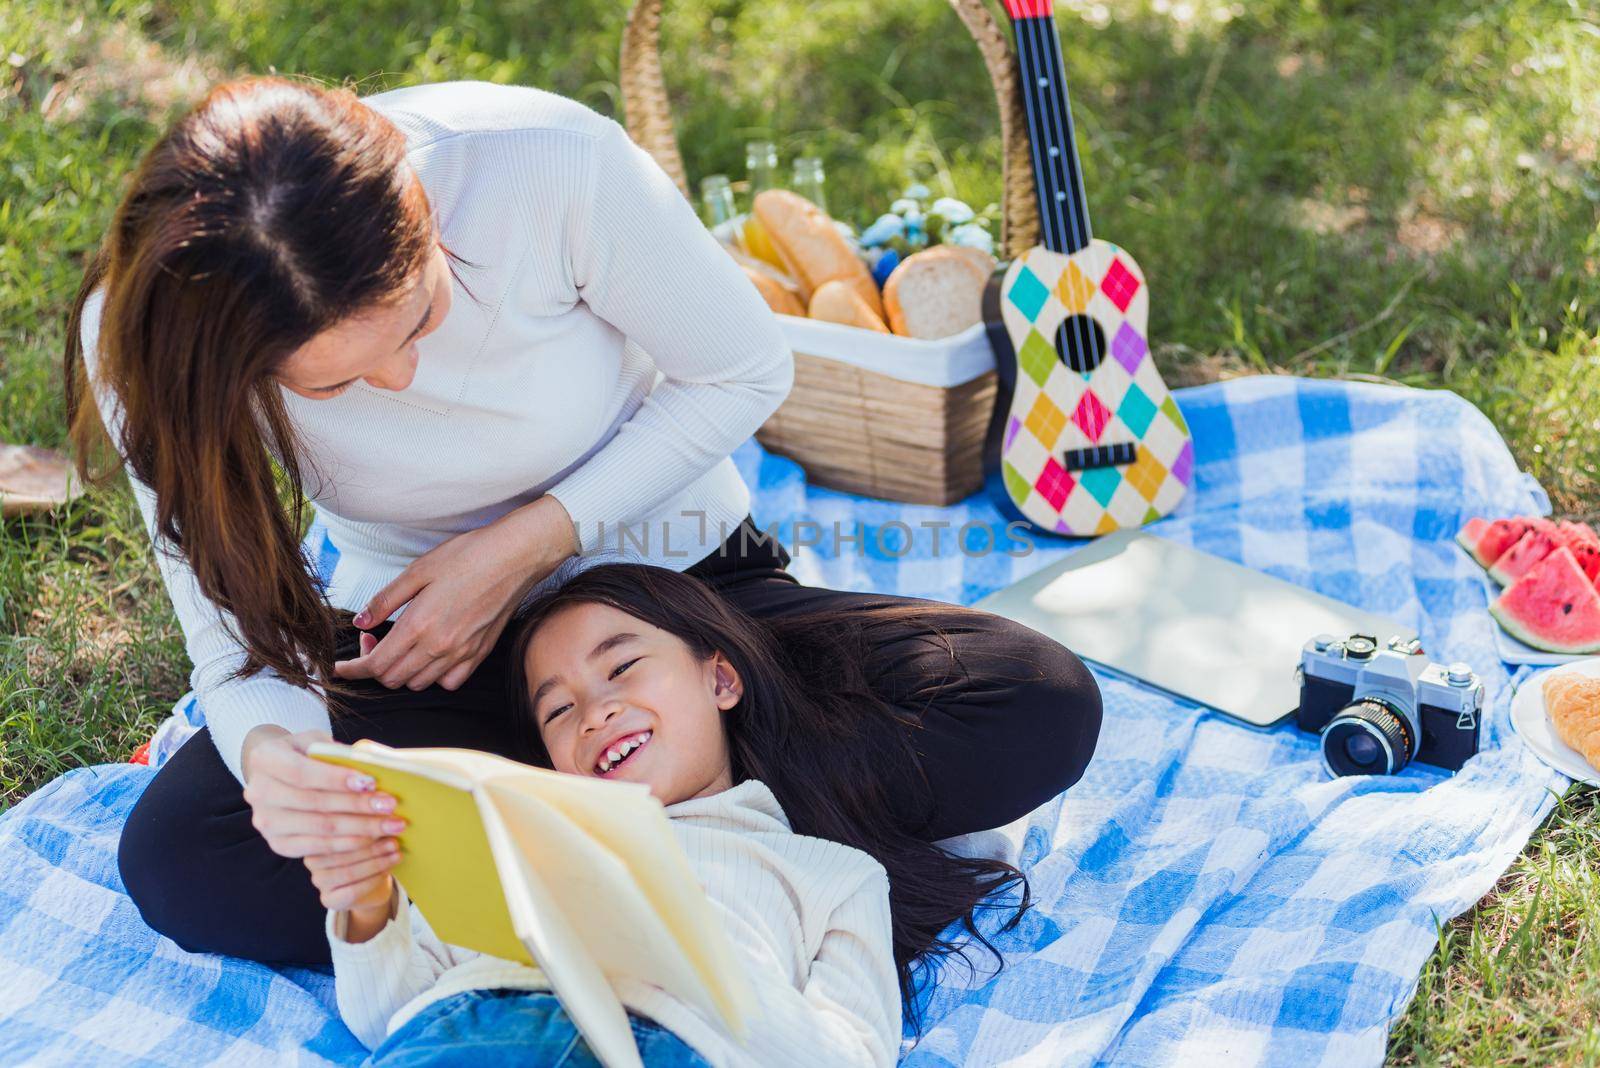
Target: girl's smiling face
x,y
615,697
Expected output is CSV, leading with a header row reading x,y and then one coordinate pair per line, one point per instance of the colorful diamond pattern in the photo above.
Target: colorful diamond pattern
x,y
1054,483
1113,497
1101,482
1029,294
1119,285
1016,485
1183,466
1074,289
1045,420
1037,357
1170,407
1136,410
1091,417
1129,347
1146,473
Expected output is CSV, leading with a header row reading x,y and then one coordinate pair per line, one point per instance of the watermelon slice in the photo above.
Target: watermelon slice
x,y
1533,546
1588,558
1552,607
1486,542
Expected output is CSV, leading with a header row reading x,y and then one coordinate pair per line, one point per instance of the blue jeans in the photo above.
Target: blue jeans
x,y
514,1028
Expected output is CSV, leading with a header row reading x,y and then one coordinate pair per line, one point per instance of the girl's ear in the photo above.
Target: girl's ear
x,y
728,687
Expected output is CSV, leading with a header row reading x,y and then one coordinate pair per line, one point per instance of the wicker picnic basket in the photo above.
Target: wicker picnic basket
x,y
897,418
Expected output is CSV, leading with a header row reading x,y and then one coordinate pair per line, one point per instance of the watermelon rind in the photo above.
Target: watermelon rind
x,y
1552,607
1518,560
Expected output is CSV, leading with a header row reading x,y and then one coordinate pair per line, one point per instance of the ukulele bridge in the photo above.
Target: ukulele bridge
x,y
1100,456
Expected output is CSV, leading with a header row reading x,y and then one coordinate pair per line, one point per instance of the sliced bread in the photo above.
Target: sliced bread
x,y
934,293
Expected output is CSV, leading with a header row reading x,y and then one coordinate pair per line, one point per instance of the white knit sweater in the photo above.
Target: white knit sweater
x,y
808,920
618,357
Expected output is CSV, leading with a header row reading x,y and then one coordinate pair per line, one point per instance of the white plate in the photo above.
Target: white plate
x,y
1531,721
1513,651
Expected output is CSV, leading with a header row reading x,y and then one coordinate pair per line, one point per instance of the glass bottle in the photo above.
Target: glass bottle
x,y
761,165
716,199
761,173
808,180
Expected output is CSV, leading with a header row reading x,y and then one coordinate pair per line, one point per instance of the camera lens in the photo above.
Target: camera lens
x,y
1362,750
1367,737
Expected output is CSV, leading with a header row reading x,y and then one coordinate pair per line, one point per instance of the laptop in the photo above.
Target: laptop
x,y
1195,625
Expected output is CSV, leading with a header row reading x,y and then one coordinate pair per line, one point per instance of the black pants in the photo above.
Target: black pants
x,y
202,875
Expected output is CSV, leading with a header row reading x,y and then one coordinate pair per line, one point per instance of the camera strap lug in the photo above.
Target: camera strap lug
x,y
1466,721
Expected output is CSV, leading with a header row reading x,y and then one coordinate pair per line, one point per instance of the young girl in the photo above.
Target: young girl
x,y
791,804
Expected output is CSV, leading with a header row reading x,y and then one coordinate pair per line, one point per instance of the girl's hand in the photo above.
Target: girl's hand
x,y
460,595
305,807
368,899
358,881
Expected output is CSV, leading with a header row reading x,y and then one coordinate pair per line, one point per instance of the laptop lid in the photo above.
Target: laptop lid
x,y
1198,626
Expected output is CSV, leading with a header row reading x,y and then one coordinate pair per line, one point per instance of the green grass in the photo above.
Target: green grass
x,y
1400,191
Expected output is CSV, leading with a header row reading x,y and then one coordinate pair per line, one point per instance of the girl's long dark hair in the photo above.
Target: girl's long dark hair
x,y
840,759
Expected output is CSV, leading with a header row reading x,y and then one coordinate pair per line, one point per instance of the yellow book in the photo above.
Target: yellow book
x,y
581,878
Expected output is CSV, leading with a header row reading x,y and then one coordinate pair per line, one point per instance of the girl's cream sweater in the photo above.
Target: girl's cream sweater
x,y
808,920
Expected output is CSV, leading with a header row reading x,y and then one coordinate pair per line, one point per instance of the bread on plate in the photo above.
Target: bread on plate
x,y
1573,702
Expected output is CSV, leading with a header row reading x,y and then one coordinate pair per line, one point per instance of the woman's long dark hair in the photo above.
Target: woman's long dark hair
x,y
269,212
839,758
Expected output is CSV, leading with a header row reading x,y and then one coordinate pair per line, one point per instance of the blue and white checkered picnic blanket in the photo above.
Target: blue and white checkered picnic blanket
x,y
1204,895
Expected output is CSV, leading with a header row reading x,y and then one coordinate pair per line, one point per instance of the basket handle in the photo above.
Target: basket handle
x,y
649,114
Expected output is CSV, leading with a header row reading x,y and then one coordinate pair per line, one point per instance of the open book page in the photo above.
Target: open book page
x,y
445,864
681,928
560,946
581,877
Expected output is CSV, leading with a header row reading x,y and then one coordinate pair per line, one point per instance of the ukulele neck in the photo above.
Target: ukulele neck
x,y
1057,173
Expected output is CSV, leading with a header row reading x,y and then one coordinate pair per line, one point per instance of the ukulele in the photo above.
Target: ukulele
x,y
1085,437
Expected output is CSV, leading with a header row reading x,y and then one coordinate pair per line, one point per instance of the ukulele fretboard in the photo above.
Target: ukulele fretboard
x,y
1057,172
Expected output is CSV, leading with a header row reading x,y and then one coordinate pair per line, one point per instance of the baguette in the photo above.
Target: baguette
x,y
934,293
837,301
811,247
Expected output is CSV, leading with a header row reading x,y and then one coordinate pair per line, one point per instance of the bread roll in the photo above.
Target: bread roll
x,y
934,293
1573,701
837,301
780,299
812,247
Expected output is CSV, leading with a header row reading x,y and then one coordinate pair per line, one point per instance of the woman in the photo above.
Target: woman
x,y
279,284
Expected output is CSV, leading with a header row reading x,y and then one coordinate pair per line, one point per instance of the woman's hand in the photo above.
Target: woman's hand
x,y
460,595
305,807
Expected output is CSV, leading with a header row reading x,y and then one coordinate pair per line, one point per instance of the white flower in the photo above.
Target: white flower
x,y
971,235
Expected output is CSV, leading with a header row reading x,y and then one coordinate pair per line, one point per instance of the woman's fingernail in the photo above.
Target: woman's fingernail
x,y
394,826
383,804
362,783
363,619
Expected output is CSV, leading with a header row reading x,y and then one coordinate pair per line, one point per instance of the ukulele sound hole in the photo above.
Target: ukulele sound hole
x,y
1081,343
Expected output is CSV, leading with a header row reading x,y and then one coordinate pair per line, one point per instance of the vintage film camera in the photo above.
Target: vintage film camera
x,y
1379,709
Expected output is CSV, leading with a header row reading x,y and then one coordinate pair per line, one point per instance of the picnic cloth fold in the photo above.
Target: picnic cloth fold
x,y
1204,895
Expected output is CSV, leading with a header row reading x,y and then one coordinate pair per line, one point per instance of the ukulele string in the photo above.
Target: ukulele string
x,y
1032,42
1029,53
1049,51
